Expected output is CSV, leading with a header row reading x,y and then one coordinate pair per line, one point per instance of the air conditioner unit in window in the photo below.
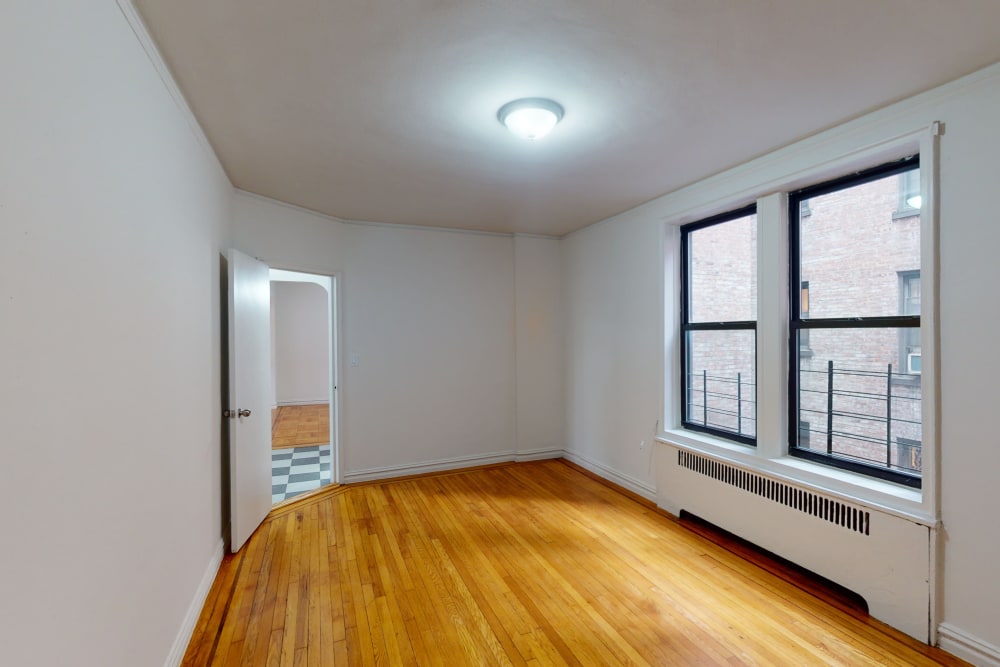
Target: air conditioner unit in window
x,y
913,362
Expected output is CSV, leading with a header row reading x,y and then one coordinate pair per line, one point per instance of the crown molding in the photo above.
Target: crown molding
x,y
369,223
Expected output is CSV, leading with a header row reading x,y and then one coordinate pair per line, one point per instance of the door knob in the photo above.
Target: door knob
x,y
243,413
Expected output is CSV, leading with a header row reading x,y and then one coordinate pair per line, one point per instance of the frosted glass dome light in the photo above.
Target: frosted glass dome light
x,y
530,117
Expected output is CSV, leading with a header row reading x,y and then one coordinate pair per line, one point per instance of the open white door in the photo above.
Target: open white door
x,y
249,379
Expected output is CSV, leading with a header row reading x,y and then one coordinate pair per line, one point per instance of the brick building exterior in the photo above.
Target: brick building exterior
x,y
723,285
860,257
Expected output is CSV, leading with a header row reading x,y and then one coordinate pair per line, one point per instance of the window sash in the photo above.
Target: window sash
x,y
687,326
798,324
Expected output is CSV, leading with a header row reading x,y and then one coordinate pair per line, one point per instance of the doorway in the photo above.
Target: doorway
x,y
303,383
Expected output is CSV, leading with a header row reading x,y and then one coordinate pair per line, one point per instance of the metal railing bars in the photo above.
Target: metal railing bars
x,y
858,415
856,398
722,411
860,373
859,394
859,437
731,397
838,413
722,378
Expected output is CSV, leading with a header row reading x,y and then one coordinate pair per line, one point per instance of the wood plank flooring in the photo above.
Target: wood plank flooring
x,y
298,425
515,564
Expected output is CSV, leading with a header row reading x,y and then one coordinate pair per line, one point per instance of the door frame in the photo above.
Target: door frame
x,y
333,372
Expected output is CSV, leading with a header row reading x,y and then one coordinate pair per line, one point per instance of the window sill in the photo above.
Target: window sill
x,y
872,493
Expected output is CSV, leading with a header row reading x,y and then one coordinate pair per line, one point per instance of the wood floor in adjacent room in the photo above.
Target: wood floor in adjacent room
x,y
517,564
299,425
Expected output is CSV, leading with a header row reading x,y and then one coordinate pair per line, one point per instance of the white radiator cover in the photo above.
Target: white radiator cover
x,y
880,556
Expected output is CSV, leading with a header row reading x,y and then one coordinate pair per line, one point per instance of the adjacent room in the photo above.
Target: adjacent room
x,y
499,333
302,372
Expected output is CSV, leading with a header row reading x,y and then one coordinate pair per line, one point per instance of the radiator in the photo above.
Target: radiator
x,y
880,556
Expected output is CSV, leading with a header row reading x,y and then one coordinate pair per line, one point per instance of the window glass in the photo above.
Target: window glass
x,y
909,339
853,401
721,385
852,248
855,389
718,324
723,278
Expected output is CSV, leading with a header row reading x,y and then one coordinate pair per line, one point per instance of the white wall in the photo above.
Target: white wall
x,y
970,239
539,343
301,342
273,389
429,317
613,285
112,216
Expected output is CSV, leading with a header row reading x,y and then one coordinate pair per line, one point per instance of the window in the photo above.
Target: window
x,y
909,453
719,325
908,194
856,307
909,338
804,348
804,211
805,432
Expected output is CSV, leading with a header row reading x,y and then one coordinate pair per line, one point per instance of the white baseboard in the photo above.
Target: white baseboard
x,y
194,609
634,485
539,454
967,647
318,401
426,467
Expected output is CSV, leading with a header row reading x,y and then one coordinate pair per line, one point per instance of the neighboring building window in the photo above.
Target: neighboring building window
x,y
805,433
804,211
908,199
909,339
858,311
804,348
909,454
719,325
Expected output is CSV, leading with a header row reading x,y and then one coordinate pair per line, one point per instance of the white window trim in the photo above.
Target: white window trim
x,y
770,454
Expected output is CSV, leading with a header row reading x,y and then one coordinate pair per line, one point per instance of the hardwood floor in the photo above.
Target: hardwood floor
x,y
298,425
515,564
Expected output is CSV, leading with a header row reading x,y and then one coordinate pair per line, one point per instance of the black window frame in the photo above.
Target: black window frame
x,y
796,323
687,326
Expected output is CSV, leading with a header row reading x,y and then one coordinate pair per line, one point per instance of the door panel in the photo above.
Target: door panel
x,y
249,380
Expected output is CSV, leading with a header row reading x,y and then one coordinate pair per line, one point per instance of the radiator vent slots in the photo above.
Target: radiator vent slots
x,y
819,506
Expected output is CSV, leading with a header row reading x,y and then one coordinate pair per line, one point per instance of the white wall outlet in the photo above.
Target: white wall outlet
x,y
355,360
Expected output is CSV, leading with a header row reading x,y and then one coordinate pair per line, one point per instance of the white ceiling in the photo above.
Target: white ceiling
x,y
386,110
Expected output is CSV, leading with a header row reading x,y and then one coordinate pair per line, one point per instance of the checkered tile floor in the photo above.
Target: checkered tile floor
x,y
297,470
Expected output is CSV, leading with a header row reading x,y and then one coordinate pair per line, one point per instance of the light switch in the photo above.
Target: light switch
x,y
355,360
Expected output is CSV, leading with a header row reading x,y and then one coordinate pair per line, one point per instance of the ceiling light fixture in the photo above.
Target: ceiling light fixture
x,y
530,117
